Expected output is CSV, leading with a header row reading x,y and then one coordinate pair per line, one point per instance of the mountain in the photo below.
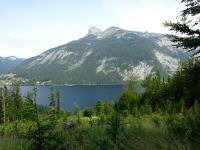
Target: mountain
x,y
104,57
9,63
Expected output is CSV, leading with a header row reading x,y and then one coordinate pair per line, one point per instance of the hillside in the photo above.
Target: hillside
x,y
9,63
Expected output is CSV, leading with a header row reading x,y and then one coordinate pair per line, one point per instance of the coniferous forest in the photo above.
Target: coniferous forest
x,y
166,115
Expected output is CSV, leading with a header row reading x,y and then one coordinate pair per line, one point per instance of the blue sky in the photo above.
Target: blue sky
x,y
29,27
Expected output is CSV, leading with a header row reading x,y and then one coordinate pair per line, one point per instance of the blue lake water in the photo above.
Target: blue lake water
x,y
82,95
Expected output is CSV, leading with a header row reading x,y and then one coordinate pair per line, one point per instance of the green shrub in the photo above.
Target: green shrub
x,y
175,125
156,120
146,109
89,112
187,126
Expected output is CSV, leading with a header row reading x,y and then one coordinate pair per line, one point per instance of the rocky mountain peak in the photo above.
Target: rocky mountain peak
x,y
94,31
112,29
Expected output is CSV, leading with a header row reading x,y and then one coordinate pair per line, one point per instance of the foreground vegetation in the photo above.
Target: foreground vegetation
x,y
165,116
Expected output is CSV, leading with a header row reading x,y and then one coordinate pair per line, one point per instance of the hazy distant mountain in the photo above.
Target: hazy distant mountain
x,y
110,56
9,63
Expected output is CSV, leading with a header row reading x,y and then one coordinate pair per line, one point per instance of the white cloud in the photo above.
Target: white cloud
x,y
12,33
141,15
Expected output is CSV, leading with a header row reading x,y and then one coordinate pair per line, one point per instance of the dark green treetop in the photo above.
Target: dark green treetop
x,y
188,26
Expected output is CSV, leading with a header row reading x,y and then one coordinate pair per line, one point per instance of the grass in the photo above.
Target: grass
x,y
13,144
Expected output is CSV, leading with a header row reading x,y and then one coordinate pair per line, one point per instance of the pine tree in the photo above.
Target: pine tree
x,y
188,26
99,107
36,114
37,136
52,104
17,99
58,101
7,104
1,106
154,89
115,123
28,107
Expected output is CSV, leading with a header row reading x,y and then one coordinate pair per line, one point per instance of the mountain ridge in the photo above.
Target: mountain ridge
x,y
9,63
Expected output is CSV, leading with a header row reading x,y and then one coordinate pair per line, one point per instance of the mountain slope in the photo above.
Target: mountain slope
x,y
103,57
9,63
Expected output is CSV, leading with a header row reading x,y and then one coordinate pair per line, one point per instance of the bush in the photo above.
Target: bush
x,y
127,101
192,121
135,111
146,109
185,126
175,125
89,112
156,120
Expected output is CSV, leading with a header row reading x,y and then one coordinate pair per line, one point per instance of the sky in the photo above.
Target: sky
x,y
30,27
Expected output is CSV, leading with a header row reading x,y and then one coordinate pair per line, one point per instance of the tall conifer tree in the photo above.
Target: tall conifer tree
x,y
188,26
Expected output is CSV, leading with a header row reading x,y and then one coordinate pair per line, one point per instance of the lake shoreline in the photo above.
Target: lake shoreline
x,y
1,85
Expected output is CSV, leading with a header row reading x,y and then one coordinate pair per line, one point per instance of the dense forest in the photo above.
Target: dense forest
x,y
165,116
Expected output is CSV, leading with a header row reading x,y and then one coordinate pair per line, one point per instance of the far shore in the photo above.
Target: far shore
x,y
1,85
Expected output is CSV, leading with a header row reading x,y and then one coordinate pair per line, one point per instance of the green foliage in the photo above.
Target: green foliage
x,y
185,84
100,107
13,144
8,105
77,112
146,109
187,126
192,121
176,94
108,108
42,136
17,99
175,125
28,110
156,120
128,101
188,26
154,85
54,103
116,126
58,103
1,105
89,112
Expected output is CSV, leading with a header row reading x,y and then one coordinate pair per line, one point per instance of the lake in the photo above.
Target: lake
x,y
82,95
